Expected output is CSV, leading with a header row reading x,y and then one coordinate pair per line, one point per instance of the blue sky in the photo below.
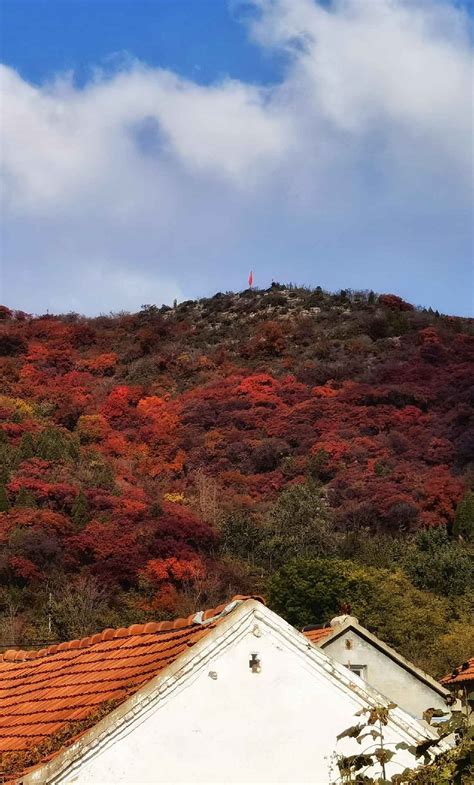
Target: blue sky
x,y
201,39
161,148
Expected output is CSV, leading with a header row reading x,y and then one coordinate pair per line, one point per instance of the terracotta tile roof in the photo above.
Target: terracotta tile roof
x,y
317,634
42,692
461,674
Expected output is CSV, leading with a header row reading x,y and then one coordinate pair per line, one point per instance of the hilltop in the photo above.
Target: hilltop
x,y
159,460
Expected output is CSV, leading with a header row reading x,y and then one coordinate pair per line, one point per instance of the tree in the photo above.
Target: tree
x,y
300,524
463,527
309,591
54,444
241,537
27,447
4,501
80,512
439,564
207,497
25,498
77,607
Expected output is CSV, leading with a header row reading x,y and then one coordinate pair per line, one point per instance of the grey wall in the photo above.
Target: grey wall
x,y
383,673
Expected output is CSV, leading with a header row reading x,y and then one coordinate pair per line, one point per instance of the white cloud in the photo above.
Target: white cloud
x,y
157,179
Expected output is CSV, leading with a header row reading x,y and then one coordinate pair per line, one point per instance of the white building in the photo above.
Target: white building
x,y
346,641
231,695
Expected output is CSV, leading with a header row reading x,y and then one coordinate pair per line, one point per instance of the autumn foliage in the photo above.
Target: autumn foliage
x,y
109,425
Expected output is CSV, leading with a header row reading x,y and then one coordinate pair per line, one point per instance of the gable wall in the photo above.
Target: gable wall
x,y
386,675
279,725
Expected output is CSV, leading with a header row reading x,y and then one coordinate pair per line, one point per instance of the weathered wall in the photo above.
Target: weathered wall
x,y
389,678
226,724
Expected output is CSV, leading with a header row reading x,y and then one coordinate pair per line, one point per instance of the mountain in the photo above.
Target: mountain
x,y
156,461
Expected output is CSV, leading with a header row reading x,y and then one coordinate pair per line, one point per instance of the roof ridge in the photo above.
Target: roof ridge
x,y
198,619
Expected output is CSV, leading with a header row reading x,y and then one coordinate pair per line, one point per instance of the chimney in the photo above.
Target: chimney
x,y
344,618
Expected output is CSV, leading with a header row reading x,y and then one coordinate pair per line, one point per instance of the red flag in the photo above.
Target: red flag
x,y
250,278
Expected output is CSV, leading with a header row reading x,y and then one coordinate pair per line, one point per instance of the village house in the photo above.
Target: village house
x,y
231,694
351,644
460,682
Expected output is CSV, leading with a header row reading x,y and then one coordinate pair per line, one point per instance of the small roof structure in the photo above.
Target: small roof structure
x,y
462,676
323,636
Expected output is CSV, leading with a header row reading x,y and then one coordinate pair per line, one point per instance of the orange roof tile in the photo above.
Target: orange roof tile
x,y
42,692
317,634
461,674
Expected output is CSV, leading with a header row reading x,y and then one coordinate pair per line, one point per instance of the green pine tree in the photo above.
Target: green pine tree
x,y
25,498
55,444
80,510
464,519
4,502
50,445
27,447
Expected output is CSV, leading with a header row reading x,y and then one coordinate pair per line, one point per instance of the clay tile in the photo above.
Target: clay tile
x,y
63,646
209,613
31,655
136,629
166,625
121,633
53,649
179,623
84,642
10,655
108,634
42,652
152,626
75,644
96,638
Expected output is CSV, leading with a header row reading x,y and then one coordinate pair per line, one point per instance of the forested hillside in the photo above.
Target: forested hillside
x,y
315,448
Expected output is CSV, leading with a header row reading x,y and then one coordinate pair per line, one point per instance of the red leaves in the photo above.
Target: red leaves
x,y
24,568
38,519
394,302
151,399
120,402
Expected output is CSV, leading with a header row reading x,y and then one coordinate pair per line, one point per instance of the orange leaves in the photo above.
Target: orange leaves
x,y
335,448
37,352
151,407
324,392
172,569
162,414
102,364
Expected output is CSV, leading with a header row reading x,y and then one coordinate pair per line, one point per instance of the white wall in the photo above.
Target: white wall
x,y
383,673
276,726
